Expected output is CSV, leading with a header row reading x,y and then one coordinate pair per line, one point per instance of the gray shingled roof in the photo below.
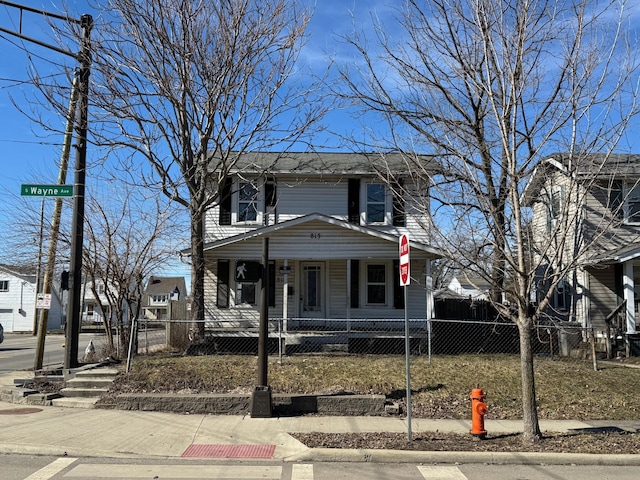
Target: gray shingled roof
x,y
19,270
329,163
620,164
165,285
586,166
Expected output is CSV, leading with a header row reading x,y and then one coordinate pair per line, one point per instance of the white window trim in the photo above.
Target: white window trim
x,y
5,289
259,203
388,287
159,299
388,207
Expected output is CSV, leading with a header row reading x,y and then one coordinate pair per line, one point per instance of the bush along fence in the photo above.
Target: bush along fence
x,y
367,336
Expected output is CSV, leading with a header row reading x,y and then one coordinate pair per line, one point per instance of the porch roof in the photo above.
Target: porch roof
x,y
295,224
619,255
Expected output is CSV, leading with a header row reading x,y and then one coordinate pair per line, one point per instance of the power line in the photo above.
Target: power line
x,y
26,142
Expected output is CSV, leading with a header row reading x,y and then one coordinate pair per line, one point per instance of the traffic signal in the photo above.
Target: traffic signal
x,y
64,280
248,271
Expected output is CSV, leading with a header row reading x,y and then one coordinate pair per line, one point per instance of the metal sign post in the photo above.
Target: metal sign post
x,y
405,280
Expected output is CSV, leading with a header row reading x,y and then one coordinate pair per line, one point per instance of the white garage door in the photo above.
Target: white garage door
x,y
6,319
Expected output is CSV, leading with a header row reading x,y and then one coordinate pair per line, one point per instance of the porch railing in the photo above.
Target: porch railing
x,y
615,322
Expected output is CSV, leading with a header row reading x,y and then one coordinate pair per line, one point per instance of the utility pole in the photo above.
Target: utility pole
x,y
55,227
77,233
38,270
261,399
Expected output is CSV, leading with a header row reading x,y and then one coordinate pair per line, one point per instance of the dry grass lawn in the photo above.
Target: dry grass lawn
x,y
566,388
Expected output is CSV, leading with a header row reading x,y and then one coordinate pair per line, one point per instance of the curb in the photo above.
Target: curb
x,y
504,458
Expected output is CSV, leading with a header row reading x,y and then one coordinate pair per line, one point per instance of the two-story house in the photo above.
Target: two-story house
x,y
95,303
590,207
18,300
333,223
159,291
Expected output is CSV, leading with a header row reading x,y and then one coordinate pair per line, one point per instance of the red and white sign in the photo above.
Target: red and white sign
x,y
405,274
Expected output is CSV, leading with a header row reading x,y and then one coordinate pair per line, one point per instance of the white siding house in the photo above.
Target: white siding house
x,y
472,287
159,292
18,300
598,199
332,224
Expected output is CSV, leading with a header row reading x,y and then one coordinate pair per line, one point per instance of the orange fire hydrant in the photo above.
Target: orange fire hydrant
x,y
478,411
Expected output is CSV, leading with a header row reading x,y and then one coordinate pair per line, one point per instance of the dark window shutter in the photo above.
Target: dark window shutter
x,y
272,284
222,300
399,215
270,193
353,198
225,202
355,283
398,290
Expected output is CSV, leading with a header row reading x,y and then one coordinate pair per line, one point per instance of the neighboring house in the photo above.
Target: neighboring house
x,y
92,311
470,286
159,291
607,221
333,228
18,300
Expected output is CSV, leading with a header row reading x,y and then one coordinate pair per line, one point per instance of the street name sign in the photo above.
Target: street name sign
x,y
46,190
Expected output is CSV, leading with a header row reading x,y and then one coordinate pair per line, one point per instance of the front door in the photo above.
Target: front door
x,y
312,288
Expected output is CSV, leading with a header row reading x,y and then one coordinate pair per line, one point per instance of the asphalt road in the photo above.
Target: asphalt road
x,y
18,351
27,467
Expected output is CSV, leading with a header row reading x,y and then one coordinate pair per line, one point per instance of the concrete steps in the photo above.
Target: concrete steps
x,y
85,387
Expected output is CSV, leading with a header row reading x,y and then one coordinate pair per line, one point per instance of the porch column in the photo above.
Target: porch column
x,y
429,289
285,295
627,281
348,309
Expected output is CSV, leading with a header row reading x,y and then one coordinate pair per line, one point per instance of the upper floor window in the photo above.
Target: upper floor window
x,y
159,298
381,204
632,204
4,285
247,202
554,208
376,203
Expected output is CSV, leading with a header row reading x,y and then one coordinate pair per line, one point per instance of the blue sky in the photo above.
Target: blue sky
x,y
28,154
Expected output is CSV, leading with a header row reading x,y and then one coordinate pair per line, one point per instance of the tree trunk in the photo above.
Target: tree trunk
x,y
197,271
529,404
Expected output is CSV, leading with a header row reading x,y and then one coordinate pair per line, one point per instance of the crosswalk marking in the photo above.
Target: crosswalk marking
x,y
230,472
48,471
302,471
437,472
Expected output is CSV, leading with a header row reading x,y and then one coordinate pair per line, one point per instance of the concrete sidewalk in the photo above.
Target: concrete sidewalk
x,y
116,433
26,429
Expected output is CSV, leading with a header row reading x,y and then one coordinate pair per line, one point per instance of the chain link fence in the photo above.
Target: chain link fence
x,y
368,336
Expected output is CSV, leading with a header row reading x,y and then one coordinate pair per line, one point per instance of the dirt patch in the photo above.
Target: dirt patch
x,y
592,443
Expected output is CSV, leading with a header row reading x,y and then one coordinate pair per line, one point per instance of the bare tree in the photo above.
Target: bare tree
x,y
191,86
128,239
489,88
